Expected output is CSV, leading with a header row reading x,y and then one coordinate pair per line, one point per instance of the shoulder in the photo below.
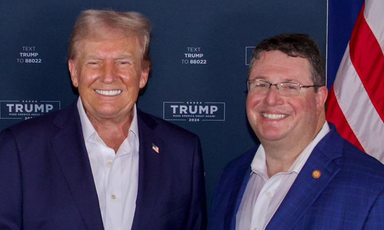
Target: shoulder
x,y
356,167
236,170
241,162
359,183
44,125
362,164
33,125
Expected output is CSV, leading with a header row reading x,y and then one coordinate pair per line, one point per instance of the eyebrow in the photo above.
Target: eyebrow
x,y
266,79
124,56
91,57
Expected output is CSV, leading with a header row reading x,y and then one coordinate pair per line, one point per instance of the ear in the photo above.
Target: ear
x,y
73,72
144,77
321,97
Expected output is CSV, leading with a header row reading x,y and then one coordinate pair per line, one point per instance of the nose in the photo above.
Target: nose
x,y
273,97
275,85
108,74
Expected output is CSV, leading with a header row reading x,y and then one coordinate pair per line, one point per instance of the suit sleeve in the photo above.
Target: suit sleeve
x,y
198,211
375,219
10,183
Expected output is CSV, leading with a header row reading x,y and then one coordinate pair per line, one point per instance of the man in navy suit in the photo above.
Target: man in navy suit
x,y
102,163
303,175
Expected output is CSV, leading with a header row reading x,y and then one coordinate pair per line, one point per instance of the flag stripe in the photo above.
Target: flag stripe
x,y
373,14
358,109
368,60
336,116
356,101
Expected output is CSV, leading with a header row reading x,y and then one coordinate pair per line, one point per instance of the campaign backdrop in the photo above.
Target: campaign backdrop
x,y
200,52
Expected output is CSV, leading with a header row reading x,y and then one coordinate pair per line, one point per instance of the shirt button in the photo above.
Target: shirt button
x,y
269,194
113,197
110,163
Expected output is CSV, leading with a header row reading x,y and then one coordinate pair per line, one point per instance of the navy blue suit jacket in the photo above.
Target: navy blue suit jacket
x,y
46,181
349,194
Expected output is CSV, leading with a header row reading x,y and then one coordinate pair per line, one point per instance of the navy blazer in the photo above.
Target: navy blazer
x,y
349,194
46,181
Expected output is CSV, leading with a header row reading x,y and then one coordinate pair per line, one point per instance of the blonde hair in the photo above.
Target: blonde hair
x,y
98,22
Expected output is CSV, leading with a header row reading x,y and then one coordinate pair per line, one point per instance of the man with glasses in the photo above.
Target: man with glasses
x,y
303,175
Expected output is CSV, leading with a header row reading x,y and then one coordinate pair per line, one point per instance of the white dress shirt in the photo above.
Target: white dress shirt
x,y
115,174
263,195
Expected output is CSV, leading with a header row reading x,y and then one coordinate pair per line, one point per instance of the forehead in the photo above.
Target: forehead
x,y
278,66
109,44
105,34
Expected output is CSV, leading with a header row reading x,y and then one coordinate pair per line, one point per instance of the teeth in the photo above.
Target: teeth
x,y
108,92
273,116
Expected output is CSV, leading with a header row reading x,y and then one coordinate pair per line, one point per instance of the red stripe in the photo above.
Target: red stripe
x,y
336,116
368,60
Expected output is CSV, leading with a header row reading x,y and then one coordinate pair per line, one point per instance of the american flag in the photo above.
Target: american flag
x,y
155,148
356,100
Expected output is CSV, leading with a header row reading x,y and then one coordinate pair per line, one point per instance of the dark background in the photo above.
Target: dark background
x,y
224,32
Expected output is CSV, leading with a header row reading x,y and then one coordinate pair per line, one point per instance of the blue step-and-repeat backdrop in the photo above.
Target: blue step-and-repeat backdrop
x,y
200,52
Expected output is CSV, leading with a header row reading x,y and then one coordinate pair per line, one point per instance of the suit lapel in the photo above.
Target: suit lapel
x,y
306,188
150,158
71,153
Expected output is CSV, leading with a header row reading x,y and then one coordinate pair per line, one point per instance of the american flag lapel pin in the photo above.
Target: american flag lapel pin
x,y
155,148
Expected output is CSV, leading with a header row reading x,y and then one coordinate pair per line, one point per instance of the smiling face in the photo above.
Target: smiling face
x,y
108,73
276,119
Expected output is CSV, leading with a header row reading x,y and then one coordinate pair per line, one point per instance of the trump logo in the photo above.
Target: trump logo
x,y
25,109
194,111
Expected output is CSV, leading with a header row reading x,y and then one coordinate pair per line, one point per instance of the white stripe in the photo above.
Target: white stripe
x,y
373,13
358,109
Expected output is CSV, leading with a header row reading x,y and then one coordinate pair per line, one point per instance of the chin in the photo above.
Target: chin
x,y
270,136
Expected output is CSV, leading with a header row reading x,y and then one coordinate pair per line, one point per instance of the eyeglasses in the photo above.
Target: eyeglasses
x,y
287,89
